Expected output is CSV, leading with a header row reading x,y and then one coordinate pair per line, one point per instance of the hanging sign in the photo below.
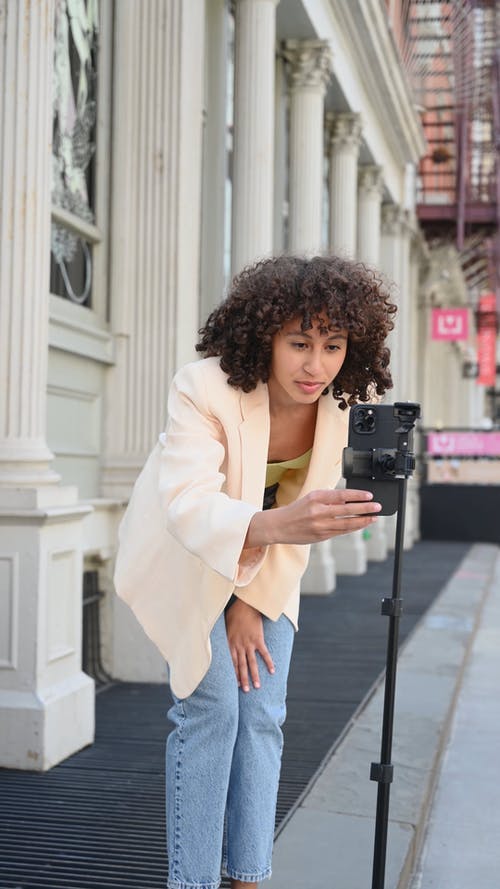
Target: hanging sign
x,y
463,444
487,339
450,324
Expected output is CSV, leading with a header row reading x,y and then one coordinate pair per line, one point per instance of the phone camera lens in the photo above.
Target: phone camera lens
x,y
364,421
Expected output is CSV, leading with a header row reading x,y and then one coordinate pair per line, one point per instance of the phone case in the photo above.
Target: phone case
x,y
374,426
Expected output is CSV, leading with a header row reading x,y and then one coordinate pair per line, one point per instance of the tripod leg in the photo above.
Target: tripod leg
x,y
382,772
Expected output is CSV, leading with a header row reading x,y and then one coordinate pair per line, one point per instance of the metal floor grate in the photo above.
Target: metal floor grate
x,y
97,820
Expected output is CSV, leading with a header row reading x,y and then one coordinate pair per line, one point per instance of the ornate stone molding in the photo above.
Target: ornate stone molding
x,y
345,129
345,137
370,180
309,64
233,3
309,68
370,188
393,219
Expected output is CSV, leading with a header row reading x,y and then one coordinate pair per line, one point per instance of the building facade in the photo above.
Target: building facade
x,y
149,150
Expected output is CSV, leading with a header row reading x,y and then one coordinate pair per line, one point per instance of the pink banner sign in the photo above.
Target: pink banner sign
x,y
450,324
487,339
463,444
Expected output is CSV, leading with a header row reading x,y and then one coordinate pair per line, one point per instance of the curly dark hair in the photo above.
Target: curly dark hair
x,y
273,291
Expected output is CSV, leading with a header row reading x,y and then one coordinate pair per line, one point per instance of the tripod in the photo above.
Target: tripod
x,y
379,459
382,772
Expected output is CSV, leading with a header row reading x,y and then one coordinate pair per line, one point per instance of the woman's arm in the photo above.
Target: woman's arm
x,y
318,516
315,517
205,520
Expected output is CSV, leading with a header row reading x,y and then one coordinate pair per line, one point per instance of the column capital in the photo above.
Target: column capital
x,y
344,129
233,4
370,179
309,64
393,219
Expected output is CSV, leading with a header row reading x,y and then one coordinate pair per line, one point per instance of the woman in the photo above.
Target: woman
x,y
216,538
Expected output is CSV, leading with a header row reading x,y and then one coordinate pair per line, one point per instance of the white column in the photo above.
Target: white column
x,y
155,257
390,262
155,222
415,308
25,242
345,139
403,385
370,188
46,702
214,157
411,392
309,71
280,157
405,310
253,151
395,262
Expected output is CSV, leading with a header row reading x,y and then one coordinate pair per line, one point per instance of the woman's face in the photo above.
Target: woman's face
x,y
304,362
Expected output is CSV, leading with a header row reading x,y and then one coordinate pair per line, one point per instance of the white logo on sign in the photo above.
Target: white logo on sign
x,y
445,443
450,325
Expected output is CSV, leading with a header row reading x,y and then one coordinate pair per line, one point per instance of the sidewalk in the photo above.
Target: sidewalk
x,y
462,846
447,736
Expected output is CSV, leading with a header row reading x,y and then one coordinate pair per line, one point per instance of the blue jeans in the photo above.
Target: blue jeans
x,y
223,765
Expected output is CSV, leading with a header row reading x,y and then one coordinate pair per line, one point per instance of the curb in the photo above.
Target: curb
x,y
328,841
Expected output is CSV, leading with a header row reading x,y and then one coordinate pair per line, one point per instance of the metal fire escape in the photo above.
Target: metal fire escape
x,y
451,51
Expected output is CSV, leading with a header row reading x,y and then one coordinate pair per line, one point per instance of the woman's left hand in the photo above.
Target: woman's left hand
x,y
245,635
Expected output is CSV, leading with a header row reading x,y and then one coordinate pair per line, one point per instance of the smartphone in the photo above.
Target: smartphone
x,y
378,435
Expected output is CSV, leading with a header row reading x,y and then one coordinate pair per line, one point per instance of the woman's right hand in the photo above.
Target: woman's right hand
x,y
318,516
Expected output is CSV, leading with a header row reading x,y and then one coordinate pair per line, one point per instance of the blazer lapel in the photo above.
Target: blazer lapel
x,y
330,438
254,437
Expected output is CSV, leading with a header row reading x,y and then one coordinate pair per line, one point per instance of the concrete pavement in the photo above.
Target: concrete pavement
x,y
462,844
446,738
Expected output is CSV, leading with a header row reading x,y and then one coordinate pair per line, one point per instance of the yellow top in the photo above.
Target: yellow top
x,y
275,471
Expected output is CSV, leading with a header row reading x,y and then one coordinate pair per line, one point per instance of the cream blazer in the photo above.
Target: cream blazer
x,y
180,554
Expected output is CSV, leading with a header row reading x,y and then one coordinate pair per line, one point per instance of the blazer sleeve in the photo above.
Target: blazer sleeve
x,y
205,520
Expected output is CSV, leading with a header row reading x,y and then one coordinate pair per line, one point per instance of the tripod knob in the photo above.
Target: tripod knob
x,y
388,464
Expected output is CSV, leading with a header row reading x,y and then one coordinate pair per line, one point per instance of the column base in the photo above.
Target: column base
x,y
408,537
320,577
350,555
26,463
39,729
413,516
119,475
46,701
376,541
390,530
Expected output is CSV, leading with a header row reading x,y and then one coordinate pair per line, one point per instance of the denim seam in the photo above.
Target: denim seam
x,y
175,884
177,797
225,842
247,877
